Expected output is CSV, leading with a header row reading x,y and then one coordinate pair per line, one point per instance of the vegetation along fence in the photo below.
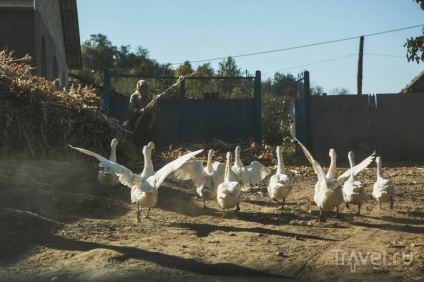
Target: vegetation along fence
x,y
391,124
200,110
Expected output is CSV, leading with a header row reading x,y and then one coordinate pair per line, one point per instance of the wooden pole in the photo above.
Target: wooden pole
x,y
360,64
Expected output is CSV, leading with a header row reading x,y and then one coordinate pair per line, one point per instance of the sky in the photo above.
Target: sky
x,y
285,36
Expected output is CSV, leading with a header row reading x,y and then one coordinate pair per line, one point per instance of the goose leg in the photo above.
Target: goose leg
x,y
337,213
391,203
321,217
347,205
380,205
204,204
237,207
138,213
148,213
359,210
282,204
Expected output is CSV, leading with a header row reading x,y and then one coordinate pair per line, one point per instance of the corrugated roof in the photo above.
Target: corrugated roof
x,y
71,36
410,85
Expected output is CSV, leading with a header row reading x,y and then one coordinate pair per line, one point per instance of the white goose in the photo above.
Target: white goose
x,y
106,177
328,194
353,189
206,179
229,191
148,169
384,189
279,184
144,190
251,174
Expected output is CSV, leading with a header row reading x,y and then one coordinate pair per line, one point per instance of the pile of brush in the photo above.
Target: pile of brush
x,y
37,120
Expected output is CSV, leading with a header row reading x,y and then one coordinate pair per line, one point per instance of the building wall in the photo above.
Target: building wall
x,y
17,30
37,31
48,27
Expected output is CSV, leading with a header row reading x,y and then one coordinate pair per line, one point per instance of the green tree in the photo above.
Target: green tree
x,y
284,84
205,70
98,53
277,94
184,69
415,45
228,67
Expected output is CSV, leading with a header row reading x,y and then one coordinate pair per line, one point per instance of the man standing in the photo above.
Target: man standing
x,y
142,118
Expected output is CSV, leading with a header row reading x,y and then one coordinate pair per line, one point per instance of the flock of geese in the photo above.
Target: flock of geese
x,y
227,182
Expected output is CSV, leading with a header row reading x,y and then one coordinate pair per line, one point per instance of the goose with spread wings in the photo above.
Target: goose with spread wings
x,y
205,178
328,192
144,189
252,174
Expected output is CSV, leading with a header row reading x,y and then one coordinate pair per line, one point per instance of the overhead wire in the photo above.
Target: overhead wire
x,y
303,46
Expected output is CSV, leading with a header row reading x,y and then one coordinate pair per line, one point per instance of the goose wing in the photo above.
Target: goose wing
x,y
158,178
316,166
354,170
126,176
358,168
256,172
218,174
192,169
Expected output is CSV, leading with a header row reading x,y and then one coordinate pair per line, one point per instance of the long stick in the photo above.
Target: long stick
x,y
155,98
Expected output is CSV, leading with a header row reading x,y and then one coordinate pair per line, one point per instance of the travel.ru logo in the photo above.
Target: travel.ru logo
x,y
358,258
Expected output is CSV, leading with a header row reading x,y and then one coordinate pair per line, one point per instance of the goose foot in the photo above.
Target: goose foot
x,y
321,218
223,213
237,207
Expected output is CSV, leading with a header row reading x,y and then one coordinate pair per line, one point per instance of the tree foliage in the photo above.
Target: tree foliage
x,y
415,45
228,67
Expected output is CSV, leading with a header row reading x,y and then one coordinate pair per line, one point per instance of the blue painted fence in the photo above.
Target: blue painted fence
x,y
184,120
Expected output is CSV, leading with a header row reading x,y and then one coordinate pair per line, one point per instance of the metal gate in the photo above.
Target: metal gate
x,y
210,115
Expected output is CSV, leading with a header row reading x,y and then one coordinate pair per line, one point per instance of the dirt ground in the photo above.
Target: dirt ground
x,y
58,224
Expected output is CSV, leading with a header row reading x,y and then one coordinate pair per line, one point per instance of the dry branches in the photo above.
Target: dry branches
x,y
38,120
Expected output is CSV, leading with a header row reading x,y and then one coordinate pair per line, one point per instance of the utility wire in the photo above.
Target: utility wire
x,y
384,55
336,59
304,46
319,62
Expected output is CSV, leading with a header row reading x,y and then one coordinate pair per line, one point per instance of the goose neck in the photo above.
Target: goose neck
x,y
113,153
280,163
209,163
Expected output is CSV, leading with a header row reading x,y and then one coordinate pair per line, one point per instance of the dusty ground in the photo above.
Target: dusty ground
x,y
58,224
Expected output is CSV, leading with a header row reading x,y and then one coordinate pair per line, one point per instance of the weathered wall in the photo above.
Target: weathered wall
x,y
392,124
400,126
341,123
